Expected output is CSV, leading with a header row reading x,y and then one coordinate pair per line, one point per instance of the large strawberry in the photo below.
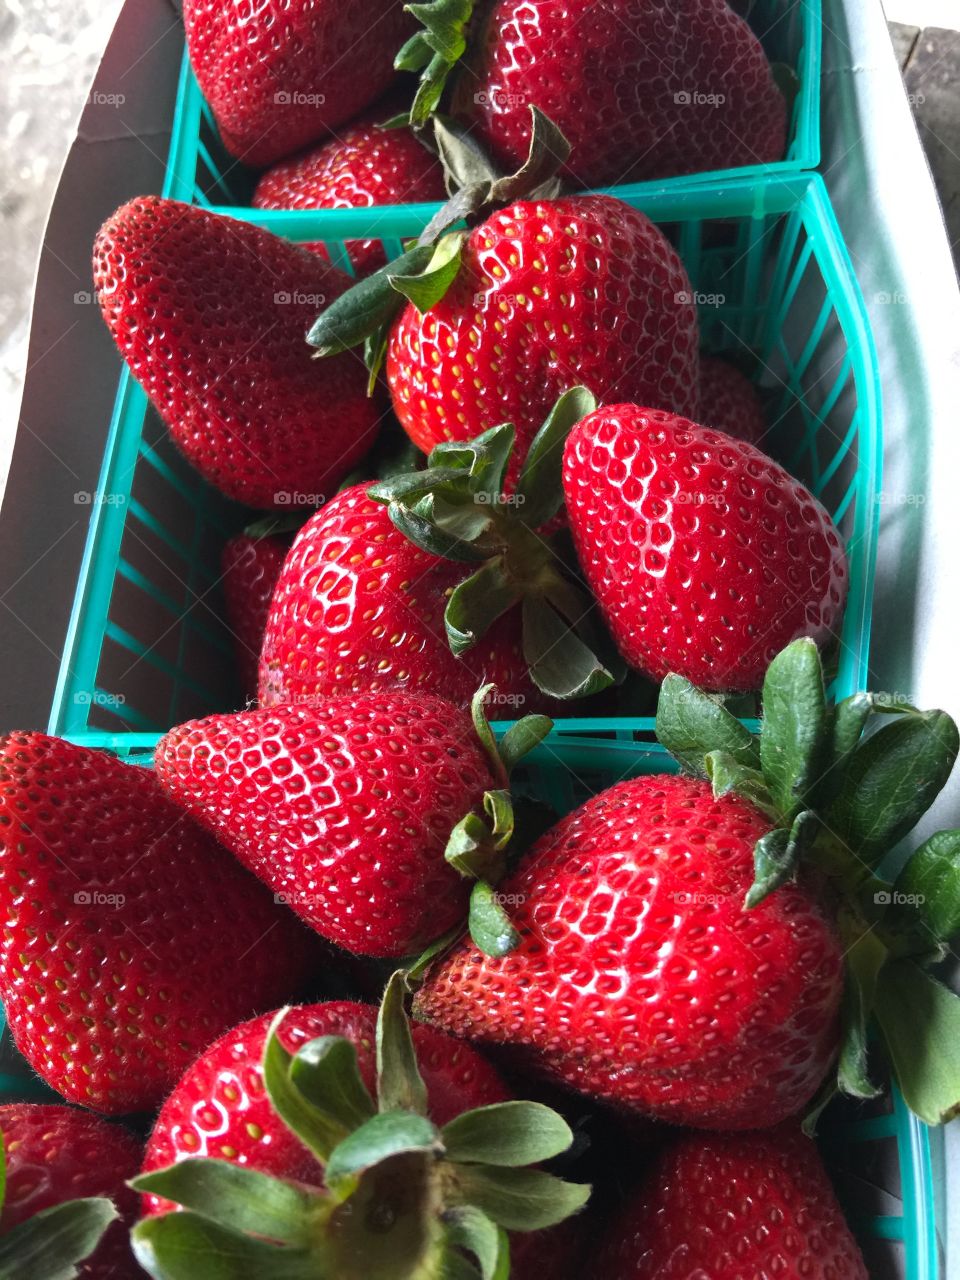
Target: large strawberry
x,y
282,73
407,1186
131,938
210,315
250,565
705,555
63,1167
345,807
684,941
729,401
366,165
729,1206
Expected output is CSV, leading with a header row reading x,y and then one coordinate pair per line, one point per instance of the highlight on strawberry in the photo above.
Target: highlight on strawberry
x,y
760,874
396,1192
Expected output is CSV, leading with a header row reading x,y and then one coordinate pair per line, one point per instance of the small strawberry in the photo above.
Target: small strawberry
x,y
320,1179
210,315
366,165
280,74
729,401
63,1167
684,942
250,565
730,1206
131,938
705,555
344,808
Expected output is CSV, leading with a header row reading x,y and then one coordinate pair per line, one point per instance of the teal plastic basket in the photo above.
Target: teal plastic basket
x,y
790,31
879,1154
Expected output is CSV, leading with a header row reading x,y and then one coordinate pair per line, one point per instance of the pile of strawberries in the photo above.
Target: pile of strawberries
x,y
379,1012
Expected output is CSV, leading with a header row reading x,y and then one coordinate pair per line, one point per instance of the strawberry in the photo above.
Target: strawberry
x,y
344,808
110,899
210,315
729,401
549,294
641,90
366,165
319,1179
56,1155
705,555
250,565
373,618
730,1206
283,73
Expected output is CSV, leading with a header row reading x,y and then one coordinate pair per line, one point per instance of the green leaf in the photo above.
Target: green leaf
x,y
924,906
50,1244
794,728
920,1021
477,603
327,1074
184,1246
427,287
509,1134
822,1099
369,304
777,854
548,153
891,780
425,534
485,734
539,486
469,1228
237,1198
426,957
399,1083
315,1128
561,665
522,738
409,487
727,776
391,1133
490,926
434,51
862,963
464,161
471,849
691,724
519,1199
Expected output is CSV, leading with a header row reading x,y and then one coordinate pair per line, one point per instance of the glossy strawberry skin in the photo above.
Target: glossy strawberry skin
x,y
211,315
365,166
220,1107
282,73
344,807
56,1153
640,978
359,607
581,290
707,558
110,897
734,1207
639,89
249,568
729,401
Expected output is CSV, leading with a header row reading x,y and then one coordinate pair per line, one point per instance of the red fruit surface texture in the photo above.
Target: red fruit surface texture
x,y
249,570
729,401
640,979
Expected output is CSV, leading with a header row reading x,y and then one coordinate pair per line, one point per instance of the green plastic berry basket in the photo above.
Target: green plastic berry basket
x,y
790,31
879,1154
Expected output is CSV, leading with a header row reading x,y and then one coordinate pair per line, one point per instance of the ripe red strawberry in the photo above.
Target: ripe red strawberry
x,y
344,807
220,1108
640,979
280,75
359,607
366,165
111,900
211,315
640,90
250,566
56,1154
551,294
729,401
707,558
730,1206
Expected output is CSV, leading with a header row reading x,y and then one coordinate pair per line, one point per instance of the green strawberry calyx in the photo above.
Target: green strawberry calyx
x,y
434,51
53,1242
403,1199
426,269
457,508
842,785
